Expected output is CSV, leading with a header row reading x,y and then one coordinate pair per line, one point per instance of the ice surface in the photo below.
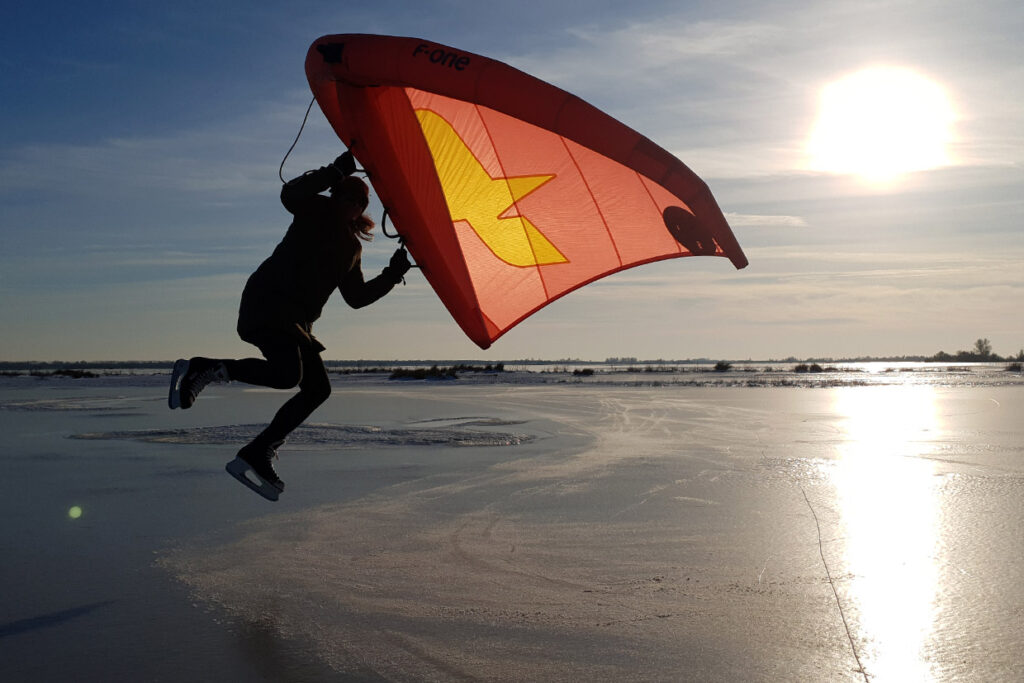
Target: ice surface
x,y
583,531
458,433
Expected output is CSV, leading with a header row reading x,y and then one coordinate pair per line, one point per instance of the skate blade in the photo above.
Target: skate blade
x,y
240,470
177,374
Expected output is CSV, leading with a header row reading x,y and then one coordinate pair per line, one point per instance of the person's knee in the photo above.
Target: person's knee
x,y
318,391
316,386
290,377
285,367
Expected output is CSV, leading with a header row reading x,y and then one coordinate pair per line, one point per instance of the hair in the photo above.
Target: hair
x,y
356,191
362,227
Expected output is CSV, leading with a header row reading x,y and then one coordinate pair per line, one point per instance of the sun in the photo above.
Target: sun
x,y
880,124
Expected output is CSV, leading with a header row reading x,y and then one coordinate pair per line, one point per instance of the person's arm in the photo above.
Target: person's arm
x,y
295,192
358,292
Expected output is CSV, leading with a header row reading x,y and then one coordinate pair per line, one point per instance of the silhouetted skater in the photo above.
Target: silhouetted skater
x,y
320,252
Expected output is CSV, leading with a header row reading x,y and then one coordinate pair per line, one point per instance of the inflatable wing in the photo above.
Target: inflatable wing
x,y
509,192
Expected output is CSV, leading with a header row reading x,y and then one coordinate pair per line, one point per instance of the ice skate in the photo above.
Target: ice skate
x,y
191,376
252,467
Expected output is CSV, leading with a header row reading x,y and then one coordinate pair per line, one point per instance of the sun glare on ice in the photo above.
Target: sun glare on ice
x,y
891,513
880,124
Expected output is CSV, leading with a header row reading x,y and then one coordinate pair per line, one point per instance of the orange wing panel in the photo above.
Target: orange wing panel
x,y
508,191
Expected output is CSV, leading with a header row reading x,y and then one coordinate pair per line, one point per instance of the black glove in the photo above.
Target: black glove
x,y
345,164
399,265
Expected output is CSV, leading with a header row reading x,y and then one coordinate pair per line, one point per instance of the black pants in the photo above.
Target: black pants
x,y
286,363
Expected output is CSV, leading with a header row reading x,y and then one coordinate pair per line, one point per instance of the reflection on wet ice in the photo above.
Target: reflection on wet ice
x,y
890,514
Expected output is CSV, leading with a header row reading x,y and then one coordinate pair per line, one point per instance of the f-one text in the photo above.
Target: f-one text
x,y
441,56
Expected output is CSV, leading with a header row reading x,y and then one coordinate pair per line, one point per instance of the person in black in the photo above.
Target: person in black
x,y
320,253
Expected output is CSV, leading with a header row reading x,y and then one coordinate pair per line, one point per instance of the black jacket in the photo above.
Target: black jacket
x,y
288,291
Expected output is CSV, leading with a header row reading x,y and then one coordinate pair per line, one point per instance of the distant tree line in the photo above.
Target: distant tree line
x,y
981,353
437,372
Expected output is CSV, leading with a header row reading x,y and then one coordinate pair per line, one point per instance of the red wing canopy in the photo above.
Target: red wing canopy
x,y
509,192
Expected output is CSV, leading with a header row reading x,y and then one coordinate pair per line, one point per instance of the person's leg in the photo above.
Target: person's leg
x,y
280,368
314,389
189,377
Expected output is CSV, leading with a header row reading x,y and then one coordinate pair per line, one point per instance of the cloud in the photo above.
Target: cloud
x,y
237,156
198,191
596,57
695,88
846,295
740,220
728,88
733,94
229,164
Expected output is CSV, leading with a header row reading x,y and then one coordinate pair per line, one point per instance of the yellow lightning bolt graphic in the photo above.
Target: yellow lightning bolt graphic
x,y
480,200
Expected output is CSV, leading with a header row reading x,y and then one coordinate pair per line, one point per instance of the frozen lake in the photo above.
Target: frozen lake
x,y
759,525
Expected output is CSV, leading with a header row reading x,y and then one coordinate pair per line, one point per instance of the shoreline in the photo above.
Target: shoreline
x,y
357,364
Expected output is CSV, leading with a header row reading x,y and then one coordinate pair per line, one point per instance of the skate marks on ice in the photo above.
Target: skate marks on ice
x,y
660,556
107,406
455,433
673,542
427,584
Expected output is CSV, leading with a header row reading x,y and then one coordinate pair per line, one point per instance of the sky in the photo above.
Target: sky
x,y
140,146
